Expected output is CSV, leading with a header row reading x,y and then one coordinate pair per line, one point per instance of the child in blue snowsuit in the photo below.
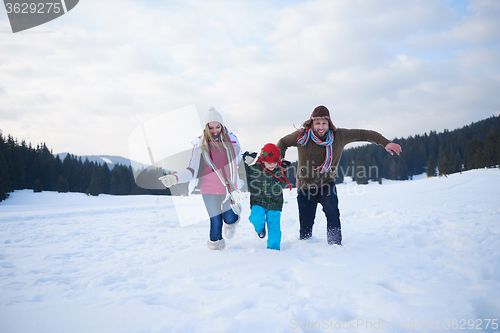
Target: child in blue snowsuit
x,y
265,178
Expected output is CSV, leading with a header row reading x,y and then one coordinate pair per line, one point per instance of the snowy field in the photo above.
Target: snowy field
x,y
418,256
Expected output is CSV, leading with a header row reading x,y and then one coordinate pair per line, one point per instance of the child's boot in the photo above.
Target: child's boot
x,y
262,234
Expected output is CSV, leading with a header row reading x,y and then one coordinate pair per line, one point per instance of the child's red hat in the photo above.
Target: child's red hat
x,y
270,153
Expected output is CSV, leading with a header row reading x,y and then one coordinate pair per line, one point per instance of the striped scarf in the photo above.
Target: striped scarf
x,y
307,134
233,168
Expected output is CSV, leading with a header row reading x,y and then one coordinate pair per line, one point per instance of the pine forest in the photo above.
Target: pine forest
x,y
474,146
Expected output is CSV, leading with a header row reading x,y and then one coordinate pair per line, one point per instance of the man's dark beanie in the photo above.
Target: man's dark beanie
x,y
318,113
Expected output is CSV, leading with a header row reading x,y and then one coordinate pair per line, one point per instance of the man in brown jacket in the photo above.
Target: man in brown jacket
x,y
320,145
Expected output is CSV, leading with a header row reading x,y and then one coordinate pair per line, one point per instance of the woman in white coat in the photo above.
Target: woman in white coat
x,y
214,162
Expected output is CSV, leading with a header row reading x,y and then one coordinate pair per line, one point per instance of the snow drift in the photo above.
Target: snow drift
x,y
418,256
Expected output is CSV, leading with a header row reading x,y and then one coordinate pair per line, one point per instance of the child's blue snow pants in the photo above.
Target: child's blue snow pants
x,y
258,217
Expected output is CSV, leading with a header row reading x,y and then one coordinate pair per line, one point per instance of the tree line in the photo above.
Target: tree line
x,y
23,166
471,147
477,145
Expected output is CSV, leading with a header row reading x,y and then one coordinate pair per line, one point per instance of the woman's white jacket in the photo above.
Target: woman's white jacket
x,y
190,174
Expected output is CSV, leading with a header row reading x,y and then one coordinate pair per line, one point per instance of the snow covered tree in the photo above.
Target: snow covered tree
x,y
490,150
5,186
95,187
37,186
431,167
62,184
457,163
445,166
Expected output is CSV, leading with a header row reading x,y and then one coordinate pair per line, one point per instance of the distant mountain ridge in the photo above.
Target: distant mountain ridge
x,y
110,160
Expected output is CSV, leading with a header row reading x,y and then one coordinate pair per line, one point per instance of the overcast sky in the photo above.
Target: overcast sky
x,y
85,81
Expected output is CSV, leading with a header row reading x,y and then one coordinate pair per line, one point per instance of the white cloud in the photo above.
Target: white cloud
x,y
481,26
111,65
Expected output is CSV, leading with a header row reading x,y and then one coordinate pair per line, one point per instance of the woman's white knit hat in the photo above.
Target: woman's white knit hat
x,y
213,115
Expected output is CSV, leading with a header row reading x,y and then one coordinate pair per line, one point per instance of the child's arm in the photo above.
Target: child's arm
x,y
285,164
249,158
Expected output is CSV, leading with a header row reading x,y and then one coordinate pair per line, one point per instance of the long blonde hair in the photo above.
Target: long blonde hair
x,y
207,139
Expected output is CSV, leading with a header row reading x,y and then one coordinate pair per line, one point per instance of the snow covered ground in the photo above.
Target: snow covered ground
x,y
418,256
